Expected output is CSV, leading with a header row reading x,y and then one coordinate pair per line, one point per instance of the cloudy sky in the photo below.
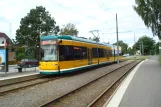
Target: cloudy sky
x,y
87,15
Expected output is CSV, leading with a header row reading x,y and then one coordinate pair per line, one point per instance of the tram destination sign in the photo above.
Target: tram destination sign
x,y
49,42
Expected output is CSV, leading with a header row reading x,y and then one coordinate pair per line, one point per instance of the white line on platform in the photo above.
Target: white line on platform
x,y
116,99
17,76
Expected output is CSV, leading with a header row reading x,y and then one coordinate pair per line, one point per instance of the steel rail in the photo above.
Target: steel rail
x,y
26,86
108,88
30,85
63,96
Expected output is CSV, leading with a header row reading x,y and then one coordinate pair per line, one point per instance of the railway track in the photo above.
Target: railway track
x,y
37,81
64,98
25,84
14,87
99,100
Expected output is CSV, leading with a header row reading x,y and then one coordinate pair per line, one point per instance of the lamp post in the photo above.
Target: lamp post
x,y
117,39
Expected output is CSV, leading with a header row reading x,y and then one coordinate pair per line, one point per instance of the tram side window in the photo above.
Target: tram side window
x,y
84,53
105,53
94,52
101,52
65,53
112,52
77,53
80,53
109,53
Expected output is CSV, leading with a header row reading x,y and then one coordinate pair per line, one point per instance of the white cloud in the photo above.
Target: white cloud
x,y
85,14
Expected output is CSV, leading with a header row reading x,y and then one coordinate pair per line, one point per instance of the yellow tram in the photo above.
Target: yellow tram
x,y
62,54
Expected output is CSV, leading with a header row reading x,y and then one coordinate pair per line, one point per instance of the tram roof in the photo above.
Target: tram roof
x,y
68,37
110,45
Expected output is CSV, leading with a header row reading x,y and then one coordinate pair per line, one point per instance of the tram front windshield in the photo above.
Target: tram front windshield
x,y
49,50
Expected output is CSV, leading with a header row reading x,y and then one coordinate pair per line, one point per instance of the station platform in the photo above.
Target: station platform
x,y
141,88
13,75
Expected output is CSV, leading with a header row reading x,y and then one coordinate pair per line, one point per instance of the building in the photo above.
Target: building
x,y
4,39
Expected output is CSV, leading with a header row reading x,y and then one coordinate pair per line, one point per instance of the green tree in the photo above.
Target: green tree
x,y
130,51
156,47
30,52
14,42
20,53
145,43
69,29
150,12
37,22
123,46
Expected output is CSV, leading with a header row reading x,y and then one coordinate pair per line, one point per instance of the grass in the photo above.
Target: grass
x,y
160,59
137,58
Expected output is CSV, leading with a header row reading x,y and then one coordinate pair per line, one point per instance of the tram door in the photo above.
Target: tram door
x,y
89,56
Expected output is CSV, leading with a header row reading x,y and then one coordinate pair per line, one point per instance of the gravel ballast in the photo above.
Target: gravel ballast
x,y
39,94
87,94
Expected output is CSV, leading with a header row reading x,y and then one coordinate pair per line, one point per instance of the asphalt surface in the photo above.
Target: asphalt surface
x,y
14,72
145,87
11,69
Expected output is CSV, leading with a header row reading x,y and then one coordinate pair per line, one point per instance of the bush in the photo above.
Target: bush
x,y
20,56
160,59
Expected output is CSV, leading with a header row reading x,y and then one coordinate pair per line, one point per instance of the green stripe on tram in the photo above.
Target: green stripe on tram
x,y
68,37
